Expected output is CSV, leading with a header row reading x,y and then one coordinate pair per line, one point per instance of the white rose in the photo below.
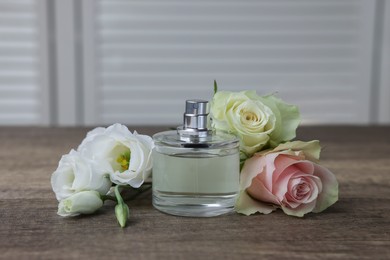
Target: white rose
x,y
127,154
76,173
84,202
251,120
258,121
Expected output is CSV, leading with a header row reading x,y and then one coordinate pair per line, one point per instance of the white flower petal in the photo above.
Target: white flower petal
x,y
85,202
108,144
76,173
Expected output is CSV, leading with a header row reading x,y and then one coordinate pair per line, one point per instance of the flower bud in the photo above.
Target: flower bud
x,y
122,213
84,202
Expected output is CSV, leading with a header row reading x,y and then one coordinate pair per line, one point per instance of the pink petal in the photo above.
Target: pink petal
x,y
247,205
314,184
316,188
330,188
300,210
290,201
266,177
281,186
258,191
250,170
305,166
282,162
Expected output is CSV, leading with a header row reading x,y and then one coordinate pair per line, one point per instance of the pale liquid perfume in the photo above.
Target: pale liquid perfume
x,y
195,171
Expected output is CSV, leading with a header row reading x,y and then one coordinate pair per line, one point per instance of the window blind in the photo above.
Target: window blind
x,y
20,86
152,55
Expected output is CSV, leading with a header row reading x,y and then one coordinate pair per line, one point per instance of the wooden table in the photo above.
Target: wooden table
x,y
356,227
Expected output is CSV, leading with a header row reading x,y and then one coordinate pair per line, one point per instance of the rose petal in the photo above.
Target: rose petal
x,y
282,162
267,175
258,191
316,188
314,183
307,167
280,187
299,211
310,149
288,117
251,168
247,205
330,188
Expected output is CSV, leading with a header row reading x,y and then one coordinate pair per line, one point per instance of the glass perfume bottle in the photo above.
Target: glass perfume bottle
x,y
195,170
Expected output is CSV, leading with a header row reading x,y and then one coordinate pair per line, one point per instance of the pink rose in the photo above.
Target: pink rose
x,y
286,178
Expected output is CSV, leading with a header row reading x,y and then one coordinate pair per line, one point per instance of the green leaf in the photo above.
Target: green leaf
x,y
215,87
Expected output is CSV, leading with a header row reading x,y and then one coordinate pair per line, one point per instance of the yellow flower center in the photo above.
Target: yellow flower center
x,y
124,160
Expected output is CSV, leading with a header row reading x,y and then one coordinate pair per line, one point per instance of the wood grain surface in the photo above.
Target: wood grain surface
x,y
356,227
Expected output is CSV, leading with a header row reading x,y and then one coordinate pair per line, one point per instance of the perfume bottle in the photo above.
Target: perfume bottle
x,y
195,170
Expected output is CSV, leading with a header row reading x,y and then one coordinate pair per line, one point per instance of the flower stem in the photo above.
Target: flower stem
x,y
108,197
139,191
118,194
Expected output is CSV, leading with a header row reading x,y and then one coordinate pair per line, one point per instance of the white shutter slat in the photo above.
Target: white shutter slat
x,y
123,52
17,6
154,55
19,94
233,7
20,91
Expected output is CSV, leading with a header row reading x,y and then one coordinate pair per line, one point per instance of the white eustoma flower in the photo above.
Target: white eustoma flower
x,y
84,202
76,173
128,155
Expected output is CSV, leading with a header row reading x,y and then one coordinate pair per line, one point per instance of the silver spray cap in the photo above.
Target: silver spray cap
x,y
195,116
195,119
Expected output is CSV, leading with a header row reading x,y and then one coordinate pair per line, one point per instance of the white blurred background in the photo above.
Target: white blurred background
x,y
69,62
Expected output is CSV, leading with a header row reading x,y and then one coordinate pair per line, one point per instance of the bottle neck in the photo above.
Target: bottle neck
x,y
194,135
